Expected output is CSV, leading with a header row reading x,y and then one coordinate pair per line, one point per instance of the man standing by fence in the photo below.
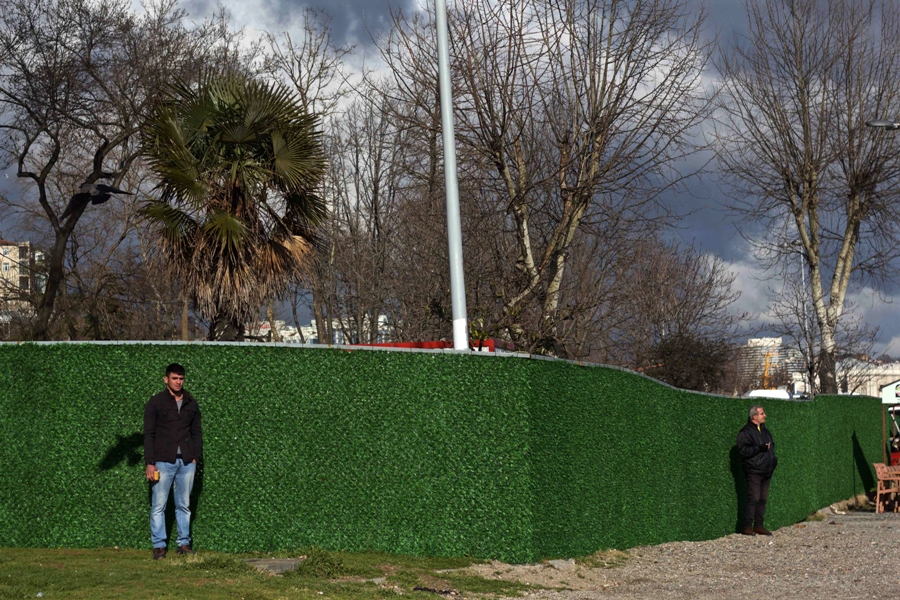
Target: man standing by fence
x,y
173,443
757,450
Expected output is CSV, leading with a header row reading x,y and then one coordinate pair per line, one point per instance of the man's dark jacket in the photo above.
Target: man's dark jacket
x,y
165,429
751,445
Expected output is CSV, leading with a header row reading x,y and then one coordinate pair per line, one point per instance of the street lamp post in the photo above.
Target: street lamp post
x,y
454,229
805,328
890,126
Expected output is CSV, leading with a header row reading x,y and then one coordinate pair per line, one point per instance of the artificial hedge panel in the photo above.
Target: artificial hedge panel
x,y
649,464
417,453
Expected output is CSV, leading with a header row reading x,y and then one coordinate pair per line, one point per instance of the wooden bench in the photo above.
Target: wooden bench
x,y
888,485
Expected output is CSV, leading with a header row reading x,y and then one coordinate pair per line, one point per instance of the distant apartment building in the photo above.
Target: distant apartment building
x,y
865,377
18,274
768,364
341,333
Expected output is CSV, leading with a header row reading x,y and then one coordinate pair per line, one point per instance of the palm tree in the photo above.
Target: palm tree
x,y
238,161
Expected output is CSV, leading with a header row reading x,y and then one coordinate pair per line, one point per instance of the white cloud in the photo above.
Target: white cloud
x,y
879,310
754,288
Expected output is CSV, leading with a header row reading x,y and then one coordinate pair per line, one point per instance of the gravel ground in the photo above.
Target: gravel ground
x,y
843,556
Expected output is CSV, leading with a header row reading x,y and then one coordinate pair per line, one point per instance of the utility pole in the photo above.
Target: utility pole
x,y
454,229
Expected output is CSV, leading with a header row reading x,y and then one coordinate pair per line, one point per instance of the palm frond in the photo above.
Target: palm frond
x,y
305,210
225,230
176,225
239,162
295,166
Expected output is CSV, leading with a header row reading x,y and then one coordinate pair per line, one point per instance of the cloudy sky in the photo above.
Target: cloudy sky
x,y
707,225
356,21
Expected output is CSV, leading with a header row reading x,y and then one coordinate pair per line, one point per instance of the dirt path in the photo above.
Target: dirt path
x,y
844,556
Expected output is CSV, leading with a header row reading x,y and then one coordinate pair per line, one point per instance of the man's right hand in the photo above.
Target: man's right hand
x,y
151,469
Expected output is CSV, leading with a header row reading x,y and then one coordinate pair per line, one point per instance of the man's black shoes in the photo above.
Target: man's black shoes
x,y
761,531
159,553
748,531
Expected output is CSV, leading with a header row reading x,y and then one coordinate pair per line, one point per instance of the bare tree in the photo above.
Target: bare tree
x,y
76,79
570,114
112,287
673,292
791,139
691,363
313,65
798,327
368,169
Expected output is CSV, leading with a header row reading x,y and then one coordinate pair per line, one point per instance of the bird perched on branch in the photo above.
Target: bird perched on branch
x,y
97,193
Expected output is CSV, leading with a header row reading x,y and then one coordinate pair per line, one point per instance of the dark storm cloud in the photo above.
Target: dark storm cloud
x,y
10,187
353,21
200,8
729,17
357,19
706,223
701,204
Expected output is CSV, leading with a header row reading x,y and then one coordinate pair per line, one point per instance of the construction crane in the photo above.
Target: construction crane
x,y
768,364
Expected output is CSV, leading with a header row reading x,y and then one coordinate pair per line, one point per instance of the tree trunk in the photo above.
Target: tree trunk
x,y
184,321
270,315
321,328
55,275
225,329
296,320
827,363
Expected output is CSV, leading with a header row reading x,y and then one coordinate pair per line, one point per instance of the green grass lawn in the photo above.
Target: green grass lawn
x,y
131,574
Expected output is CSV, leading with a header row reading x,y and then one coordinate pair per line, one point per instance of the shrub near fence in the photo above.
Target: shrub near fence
x,y
416,453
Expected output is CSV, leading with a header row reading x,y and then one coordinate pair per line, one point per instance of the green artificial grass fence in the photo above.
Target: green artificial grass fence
x,y
406,452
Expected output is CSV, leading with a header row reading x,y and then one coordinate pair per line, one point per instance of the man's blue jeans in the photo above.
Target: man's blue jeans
x,y
182,475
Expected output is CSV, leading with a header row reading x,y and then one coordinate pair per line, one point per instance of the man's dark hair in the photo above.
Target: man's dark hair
x,y
175,368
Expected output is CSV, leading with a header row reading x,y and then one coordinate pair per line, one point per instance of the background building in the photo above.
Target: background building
x,y
18,275
341,333
766,363
865,377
